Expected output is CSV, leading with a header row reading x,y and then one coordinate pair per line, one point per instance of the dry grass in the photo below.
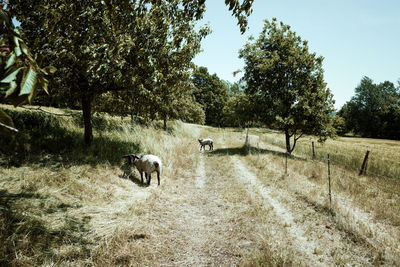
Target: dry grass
x,y
253,221
349,151
366,207
70,206
65,207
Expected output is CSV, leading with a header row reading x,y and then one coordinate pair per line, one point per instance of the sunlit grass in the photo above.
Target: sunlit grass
x,y
74,195
307,182
62,203
384,156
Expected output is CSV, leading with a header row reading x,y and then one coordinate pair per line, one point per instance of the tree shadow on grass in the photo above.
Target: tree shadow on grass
x,y
65,151
31,237
43,141
244,150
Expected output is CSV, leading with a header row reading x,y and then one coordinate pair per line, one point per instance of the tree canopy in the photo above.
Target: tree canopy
x,y
140,48
374,111
286,85
212,94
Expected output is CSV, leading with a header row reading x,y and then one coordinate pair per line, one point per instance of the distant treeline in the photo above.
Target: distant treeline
x,y
373,112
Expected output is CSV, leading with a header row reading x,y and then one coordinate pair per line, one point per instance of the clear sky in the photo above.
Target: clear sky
x,y
357,38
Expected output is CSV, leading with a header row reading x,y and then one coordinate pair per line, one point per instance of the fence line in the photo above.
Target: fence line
x,y
322,157
334,161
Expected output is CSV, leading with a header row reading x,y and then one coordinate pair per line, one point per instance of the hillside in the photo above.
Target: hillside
x,y
64,204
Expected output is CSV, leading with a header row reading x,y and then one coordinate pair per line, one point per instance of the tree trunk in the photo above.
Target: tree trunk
x,y
165,123
287,137
87,118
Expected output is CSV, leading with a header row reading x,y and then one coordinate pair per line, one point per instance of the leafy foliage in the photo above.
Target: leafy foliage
x,y
238,111
374,111
212,94
285,82
20,74
140,48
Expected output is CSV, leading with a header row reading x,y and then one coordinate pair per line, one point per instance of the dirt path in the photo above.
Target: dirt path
x,y
191,223
222,213
379,237
296,232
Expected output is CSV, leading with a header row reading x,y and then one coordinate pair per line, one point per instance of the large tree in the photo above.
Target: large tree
x,y
107,46
212,94
167,91
374,111
285,82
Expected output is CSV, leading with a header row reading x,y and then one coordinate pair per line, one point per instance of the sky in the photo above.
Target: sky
x,y
357,38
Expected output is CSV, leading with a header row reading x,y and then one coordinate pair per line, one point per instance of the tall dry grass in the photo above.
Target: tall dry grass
x,y
60,201
366,208
376,192
384,157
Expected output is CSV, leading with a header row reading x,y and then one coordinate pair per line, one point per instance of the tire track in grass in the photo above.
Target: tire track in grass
x,y
378,242
189,225
298,234
382,237
200,174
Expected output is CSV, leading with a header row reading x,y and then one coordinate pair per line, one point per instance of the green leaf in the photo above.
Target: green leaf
x,y
43,83
28,83
24,48
17,48
11,76
13,86
10,61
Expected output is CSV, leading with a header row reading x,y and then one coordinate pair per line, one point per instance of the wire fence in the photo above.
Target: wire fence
x,y
375,165
337,168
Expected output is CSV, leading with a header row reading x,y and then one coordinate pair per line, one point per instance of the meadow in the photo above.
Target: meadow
x,y
62,203
383,159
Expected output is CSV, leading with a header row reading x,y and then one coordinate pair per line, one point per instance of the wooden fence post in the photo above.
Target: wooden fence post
x,y
329,177
364,164
313,150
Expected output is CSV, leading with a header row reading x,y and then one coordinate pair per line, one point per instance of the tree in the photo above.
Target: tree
x,y
101,46
238,110
286,85
20,75
339,124
212,94
167,90
107,46
374,111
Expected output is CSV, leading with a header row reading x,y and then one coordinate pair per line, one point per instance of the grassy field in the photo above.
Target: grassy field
x,y
64,204
60,199
347,151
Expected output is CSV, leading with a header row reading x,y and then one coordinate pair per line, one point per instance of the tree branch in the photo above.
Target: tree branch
x,y
9,127
295,140
301,135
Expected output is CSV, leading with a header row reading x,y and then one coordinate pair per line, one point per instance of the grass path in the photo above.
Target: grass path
x,y
225,212
379,236
305,247
190,221
220,208
222,214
